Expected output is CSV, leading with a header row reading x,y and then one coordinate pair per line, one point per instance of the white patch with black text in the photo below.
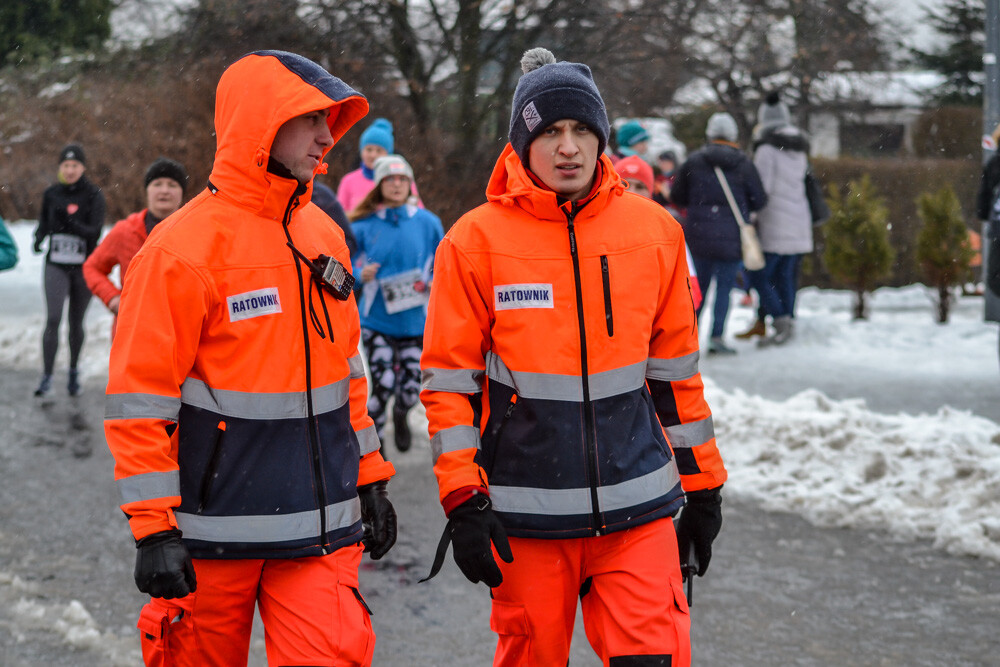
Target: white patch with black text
x,y
532,295
253,304
531,116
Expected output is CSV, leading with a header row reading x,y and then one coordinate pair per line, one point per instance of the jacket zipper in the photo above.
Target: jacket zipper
x,y
606,277
313,427
213,464
588,416
499,430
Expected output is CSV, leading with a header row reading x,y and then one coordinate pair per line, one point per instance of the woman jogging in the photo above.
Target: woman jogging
x,y
396,244
71,218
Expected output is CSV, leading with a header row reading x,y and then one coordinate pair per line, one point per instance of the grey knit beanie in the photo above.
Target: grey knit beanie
x,y
721,125
773,112
550,91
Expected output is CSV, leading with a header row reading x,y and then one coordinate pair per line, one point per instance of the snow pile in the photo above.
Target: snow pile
x,y
839,464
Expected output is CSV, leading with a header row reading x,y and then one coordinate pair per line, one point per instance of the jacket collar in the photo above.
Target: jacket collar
x,y
512,185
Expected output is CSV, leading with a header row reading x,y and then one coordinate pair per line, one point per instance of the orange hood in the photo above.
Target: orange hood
x,y
510,185
256,95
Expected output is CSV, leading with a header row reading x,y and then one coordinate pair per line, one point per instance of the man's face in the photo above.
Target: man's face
x,y
70,171
163,196
372,152
564,156
301,142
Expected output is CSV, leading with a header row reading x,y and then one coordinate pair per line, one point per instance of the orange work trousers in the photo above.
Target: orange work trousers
x,y
312,612
629,585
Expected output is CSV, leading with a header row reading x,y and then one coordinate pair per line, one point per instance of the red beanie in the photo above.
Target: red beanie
x,y
635,167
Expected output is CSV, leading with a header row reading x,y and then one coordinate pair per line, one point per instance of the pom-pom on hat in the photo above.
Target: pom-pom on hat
x,y
630,134
391,165
378,133
72,152
722,125
634,167
548,92
773,112
166,168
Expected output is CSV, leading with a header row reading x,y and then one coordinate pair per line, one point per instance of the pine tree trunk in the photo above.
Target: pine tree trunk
x,y
860,309
944,304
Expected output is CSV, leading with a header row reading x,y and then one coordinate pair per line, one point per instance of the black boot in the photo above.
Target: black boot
x,y
403,438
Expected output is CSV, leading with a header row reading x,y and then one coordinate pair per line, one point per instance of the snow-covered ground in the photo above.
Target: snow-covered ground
x,y
915,474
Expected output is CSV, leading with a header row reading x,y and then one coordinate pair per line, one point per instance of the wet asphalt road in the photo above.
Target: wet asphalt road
x,y
779,591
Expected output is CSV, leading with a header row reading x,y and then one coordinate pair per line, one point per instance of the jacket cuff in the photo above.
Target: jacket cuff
x,y
459,496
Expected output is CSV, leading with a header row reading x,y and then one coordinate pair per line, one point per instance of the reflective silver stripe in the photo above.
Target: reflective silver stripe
x,y
368,439
149,486
566,387
269,527
357,366
671,370
550,502
142,406
452,439
692,434
259,405
458,381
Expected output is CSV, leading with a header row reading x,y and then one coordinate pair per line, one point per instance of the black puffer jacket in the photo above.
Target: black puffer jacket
x,y
75,210
710,228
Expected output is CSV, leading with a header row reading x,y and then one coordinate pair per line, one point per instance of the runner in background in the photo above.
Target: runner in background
x,y
164,183
71,218
396,244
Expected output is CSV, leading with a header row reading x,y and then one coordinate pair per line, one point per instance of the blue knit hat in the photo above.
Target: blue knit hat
x,y
550,91
378,133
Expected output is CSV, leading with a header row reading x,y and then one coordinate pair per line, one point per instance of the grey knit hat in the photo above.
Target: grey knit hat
x,y
391,165
721,125
773,112
550,91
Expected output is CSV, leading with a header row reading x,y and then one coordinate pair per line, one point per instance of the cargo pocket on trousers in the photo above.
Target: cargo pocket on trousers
x,y
510,622
357,636
155,621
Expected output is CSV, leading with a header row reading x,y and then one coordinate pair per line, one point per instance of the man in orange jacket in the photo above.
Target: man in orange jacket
x,y
246,461
565,407
164,183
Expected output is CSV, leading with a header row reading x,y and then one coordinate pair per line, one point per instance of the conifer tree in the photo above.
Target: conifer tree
x,y
35,28
858,253
943,247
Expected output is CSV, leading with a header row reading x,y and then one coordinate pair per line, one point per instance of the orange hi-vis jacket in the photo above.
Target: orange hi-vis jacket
x,y
560,366
236,392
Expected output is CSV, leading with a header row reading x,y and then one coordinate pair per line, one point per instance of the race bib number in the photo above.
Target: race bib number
x,y
404,291
67,249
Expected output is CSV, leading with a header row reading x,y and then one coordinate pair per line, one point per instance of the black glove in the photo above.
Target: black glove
x,y
473,525
700,522
163,566
378,518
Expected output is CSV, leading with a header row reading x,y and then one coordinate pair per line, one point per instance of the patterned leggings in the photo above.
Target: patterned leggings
x,y
395,367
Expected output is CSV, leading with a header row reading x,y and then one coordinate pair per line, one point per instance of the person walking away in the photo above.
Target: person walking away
x,y
245,459
164,184
71,218
986,199
784,225
396,244
324,197
639,175
8,248
710,227
563,398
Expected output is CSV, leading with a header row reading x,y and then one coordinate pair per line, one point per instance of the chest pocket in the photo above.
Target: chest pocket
x,y
606,280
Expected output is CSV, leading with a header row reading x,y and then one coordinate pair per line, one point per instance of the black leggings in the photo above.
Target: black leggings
x,y
62,282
